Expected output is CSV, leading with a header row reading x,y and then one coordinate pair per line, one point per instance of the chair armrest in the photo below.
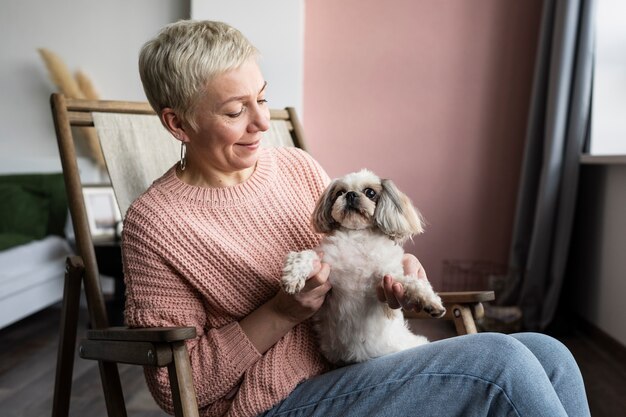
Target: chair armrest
x,y
149,334
148,346
466,297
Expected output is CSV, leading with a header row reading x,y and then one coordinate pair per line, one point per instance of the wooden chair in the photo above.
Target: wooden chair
x,y
153,346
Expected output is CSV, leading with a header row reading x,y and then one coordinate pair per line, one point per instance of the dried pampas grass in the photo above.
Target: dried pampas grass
x,y
60,75
79,86
86,86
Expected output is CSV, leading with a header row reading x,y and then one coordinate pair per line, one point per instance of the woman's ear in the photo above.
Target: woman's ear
x,y
174,124
322,219
395,215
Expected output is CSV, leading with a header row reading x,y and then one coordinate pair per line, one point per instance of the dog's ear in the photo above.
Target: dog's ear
x,y
395,215
322,219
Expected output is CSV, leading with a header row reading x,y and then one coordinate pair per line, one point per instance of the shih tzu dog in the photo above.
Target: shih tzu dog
x,y
365,220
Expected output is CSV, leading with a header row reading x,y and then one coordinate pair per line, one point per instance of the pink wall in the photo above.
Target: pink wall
x,y
434,95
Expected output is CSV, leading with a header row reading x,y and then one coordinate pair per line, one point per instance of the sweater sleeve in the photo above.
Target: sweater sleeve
x,y
157,296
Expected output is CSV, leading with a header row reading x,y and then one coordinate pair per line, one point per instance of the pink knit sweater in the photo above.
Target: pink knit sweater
x,y
206,258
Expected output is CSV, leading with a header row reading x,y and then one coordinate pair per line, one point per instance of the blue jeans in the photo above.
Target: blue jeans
x,y
486,374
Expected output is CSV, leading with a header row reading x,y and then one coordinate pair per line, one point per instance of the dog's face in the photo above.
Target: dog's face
x,y
362,200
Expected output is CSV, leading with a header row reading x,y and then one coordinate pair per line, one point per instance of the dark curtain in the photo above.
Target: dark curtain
x,y
557,128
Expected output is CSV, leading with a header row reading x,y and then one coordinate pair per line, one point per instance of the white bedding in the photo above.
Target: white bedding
x,y
31,277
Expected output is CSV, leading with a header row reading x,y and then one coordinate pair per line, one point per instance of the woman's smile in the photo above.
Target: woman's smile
x,y
250,146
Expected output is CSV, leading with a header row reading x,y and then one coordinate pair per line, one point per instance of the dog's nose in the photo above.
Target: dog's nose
x,y
351,197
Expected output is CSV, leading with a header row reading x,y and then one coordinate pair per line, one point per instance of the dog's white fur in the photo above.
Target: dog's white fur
x,y
362,243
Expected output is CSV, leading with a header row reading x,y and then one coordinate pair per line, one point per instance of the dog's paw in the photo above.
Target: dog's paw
x,y
420,293
434,307
298,267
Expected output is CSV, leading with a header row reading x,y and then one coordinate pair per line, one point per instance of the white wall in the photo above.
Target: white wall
x,y
598,258
100,37
276,28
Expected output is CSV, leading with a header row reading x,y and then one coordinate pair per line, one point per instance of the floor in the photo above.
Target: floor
x,y
28,358
27,370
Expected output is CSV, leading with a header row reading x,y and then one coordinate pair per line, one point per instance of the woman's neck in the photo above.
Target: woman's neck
x,y
212,178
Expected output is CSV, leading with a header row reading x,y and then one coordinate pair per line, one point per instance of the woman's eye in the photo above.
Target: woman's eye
x,y
261,101
237,114
369,193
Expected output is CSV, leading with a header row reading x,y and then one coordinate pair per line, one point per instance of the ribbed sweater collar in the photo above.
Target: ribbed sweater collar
x,y
252,188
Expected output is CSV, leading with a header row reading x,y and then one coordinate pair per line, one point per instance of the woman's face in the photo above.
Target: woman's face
x,y
231,117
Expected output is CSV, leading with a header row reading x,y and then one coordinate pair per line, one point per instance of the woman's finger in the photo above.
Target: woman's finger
x,y
410,264
421,272
392,300
398,294
317,266
317,279
380,293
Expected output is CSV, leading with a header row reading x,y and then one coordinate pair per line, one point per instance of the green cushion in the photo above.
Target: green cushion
x,y
9,240
23,210
53,187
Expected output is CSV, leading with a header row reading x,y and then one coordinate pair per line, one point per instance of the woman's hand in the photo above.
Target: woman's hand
x,y
392,292
299,307
272,320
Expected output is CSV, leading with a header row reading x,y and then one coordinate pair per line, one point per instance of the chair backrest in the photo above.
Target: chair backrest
x,y
137,150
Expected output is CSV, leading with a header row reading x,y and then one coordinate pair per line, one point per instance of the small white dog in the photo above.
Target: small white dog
x,y
365,220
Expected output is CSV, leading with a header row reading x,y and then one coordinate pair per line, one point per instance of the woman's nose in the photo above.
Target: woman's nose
x,y
261,119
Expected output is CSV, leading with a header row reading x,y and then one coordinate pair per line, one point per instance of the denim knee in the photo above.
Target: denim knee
x,y
500,359
562,370
495,350
553,355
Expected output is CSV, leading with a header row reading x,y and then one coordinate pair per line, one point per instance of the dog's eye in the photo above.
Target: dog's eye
x,y
339,193
369,193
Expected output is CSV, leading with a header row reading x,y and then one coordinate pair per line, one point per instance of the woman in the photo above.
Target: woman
x,y
204,247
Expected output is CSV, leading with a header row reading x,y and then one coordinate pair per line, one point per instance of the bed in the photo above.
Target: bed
x,y
31,277
33,247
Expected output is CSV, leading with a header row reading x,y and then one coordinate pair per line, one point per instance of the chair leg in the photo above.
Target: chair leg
x,y
67,337
112,386
181,382
463,319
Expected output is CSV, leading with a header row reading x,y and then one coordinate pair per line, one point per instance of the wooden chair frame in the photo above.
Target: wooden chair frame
x,y
153,346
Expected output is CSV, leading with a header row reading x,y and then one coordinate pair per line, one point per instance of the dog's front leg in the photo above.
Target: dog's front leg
x,y
298,267
420,292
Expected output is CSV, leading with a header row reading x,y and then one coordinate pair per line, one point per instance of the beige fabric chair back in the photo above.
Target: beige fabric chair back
x,y
138,149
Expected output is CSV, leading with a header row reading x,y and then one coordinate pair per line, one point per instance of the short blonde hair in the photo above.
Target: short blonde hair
x,y
176,65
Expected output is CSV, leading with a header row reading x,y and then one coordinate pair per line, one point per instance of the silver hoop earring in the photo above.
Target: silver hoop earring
x,y
183,156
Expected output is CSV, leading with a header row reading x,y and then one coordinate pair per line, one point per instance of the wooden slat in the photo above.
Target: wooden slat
x,y
79,113
67,337
279,114
156,334
467,297
80,118
181,381
80,222
108,106
297,133
134,353
463,319
111,106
